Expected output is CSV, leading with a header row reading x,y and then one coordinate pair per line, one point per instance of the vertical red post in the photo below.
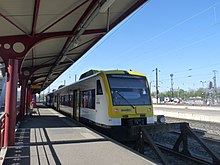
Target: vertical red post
x,y
28,100
10,102
22,99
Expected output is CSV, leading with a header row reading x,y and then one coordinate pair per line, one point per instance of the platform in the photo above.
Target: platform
x,y
48,137
200,113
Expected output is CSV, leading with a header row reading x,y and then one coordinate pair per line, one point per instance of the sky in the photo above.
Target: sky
x,y
177,37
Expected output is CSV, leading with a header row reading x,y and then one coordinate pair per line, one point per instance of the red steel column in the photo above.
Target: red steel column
x,y
10,102
28,101
23,97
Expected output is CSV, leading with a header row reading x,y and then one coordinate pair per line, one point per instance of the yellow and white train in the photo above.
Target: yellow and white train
x,y
107,99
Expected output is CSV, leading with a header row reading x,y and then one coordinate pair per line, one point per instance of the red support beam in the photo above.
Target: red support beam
x,y
27,101
32,50
23,96
34,23
75,29
28,42
95,31
10,102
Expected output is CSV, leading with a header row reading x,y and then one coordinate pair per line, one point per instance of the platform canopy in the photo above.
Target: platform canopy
x,y
48,36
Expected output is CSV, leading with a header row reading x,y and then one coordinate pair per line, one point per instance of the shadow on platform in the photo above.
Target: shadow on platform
x,y
48,137
33,143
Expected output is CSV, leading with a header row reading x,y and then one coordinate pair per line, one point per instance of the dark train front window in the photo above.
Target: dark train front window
x,y
129,90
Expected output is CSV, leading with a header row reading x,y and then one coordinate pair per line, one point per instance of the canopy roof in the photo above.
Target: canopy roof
x,y
49,36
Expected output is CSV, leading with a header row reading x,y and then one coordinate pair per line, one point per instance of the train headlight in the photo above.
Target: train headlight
x,y
161,119
116,110
149,109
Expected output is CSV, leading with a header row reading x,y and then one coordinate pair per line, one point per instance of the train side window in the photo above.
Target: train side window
x,y
99,88
61,99
66,100
88,99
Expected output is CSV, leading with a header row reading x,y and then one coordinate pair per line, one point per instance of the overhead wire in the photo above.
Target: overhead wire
x,y
171,28
152,38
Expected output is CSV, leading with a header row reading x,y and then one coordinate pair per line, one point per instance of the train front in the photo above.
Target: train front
x,y
130,98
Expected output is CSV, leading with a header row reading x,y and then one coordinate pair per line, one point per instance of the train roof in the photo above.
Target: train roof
x,y
123,72
93,73
88,73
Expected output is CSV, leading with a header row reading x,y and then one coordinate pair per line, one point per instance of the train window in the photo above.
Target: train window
x,y
129,90
99,88
88,99
62,100
71,100
66,100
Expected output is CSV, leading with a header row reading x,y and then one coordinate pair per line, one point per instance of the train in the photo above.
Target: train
x,y
111,101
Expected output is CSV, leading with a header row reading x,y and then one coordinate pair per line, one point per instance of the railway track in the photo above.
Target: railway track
x,y
208,137
189,150
199,156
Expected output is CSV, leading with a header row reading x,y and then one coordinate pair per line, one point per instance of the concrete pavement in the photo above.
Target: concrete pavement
x,y
51,138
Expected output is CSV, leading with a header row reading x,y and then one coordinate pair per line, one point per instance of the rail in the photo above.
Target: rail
x,y
2,130
186,132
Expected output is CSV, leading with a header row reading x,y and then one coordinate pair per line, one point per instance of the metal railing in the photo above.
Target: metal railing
x,y
181,146
2,129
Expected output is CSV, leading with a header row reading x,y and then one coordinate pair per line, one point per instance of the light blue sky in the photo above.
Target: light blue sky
x,y
178,37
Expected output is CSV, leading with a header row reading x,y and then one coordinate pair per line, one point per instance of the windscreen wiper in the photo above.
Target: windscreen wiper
x,y
125,99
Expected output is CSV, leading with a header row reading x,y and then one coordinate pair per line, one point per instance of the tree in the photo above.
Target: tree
x,y
181,93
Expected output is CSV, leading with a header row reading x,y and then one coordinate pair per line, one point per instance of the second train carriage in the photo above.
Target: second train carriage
x,y
106,98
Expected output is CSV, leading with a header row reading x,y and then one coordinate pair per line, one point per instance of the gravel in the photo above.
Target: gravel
x,y
209,132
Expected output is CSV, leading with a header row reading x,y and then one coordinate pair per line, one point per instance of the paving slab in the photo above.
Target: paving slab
x,y
48,137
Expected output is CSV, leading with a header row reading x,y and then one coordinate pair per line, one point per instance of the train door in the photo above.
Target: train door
x,y
58,102
76,104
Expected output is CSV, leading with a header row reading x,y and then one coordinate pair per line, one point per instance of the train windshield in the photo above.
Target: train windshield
x,y
129,90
